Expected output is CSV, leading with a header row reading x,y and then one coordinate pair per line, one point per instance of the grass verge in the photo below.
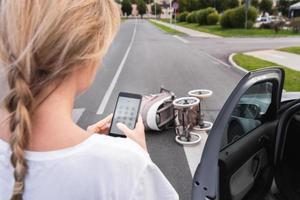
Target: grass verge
x,y
254,32
292,77
295,50
166,28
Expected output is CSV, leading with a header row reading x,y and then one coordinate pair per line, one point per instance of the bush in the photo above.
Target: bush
x,y
213,18
250,24
182,16
191,17
225,19
203,14
295,24
235,18
239,17
194,17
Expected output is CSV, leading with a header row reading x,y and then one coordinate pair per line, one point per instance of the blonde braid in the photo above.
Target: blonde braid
x,y
41,42
19,103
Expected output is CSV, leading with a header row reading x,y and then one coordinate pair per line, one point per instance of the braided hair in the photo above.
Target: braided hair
x,y
42,42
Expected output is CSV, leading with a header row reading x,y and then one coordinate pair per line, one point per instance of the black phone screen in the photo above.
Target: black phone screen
x,y
126,112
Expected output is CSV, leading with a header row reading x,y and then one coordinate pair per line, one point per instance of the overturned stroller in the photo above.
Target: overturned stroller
x,y
163,111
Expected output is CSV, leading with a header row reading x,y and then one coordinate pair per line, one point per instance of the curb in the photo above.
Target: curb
x,y
238,68
190,32
235,66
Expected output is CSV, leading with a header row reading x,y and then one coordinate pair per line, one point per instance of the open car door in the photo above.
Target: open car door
x,y
238,159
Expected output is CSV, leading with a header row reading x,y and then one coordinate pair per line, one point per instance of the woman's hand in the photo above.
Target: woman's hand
x,y
137,134
102,126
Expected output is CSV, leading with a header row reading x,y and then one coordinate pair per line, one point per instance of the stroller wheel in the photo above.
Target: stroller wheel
x,y
194,139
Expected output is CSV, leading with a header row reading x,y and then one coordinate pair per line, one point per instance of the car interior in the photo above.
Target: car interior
x,y
288,173
256,172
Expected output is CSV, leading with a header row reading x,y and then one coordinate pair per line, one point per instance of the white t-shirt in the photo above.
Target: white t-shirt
x,y
99,168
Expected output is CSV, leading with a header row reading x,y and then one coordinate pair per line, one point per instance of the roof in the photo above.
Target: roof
x,y
295,6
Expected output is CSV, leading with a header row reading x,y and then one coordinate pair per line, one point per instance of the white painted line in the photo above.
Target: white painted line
x,y
181,39
216,59
76,114
115,79
193,153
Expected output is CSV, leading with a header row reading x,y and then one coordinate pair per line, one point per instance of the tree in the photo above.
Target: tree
x,y
183,5
222,5
192,5
141,7
283,6
266,6
233,3
205,3
255,3
158,9
126,7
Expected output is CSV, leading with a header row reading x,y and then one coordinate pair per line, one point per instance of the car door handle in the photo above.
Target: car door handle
x,y
256,166
264,140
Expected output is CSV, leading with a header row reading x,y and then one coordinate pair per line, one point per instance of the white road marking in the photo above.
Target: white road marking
x,y
194,153
217,60
115,79
76,114
181,39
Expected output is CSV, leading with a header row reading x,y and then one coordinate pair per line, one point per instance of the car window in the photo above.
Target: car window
x,y
249,112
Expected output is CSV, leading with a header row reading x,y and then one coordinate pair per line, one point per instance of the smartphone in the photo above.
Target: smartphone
x,y
126,111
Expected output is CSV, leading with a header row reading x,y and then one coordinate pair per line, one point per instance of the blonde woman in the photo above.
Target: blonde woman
x,y
50,50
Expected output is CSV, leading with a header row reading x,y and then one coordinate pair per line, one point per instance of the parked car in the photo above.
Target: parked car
x,y
251,151
264,19
267,21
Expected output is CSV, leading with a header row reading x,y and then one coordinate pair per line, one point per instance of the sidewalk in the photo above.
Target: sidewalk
x,y
282,58
187,31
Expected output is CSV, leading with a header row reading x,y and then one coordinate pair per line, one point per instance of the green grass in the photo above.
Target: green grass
x,y
292,77
295,50
254,32
166,29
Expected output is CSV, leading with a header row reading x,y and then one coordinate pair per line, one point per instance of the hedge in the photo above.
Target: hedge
x,y
192,17
235,18
213,18
182,16
203,14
